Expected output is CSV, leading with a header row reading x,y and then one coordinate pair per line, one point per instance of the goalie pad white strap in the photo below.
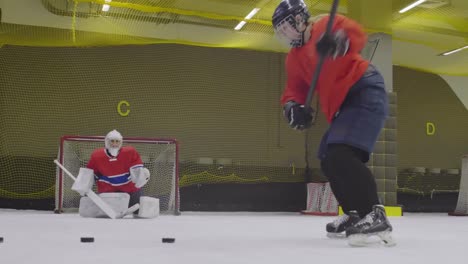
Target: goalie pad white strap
x,y
149,207
117,201
84,181
140,176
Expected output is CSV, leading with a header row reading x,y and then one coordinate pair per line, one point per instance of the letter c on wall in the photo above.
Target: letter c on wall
x,y
119,108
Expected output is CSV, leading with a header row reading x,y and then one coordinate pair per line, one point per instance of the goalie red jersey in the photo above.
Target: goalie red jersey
x,y
337,75
113,172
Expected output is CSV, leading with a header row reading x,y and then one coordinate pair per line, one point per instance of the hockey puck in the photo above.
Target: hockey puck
x,y
168,240
1,239
87,239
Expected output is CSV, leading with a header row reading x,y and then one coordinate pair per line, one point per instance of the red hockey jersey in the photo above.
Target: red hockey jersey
x,y
336,77
113,172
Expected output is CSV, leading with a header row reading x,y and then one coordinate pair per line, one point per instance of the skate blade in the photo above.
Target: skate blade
x,y
365,240
336,235
387,238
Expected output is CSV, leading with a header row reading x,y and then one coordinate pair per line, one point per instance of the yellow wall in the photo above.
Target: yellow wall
x,y
218,103
426,98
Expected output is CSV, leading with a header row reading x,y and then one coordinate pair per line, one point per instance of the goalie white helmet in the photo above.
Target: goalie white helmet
x,y
113,142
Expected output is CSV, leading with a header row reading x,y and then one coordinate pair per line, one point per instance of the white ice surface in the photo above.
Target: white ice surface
x,y
36,237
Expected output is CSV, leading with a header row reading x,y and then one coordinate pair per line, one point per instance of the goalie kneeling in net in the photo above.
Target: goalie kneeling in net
x,y
120,175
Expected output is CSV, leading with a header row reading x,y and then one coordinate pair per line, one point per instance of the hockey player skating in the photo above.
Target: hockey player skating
x,y
352,96
120,175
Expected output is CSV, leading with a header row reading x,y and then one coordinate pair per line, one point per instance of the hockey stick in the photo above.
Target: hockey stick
x,y
321,59
94,197
129,211
313,84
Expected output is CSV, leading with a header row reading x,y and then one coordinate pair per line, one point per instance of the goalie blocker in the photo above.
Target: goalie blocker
x,y
147,208
84,181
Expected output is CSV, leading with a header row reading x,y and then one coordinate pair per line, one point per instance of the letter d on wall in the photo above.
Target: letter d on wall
x,y
430,129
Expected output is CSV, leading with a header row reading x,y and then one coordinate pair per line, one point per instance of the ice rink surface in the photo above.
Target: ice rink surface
x,y
39,237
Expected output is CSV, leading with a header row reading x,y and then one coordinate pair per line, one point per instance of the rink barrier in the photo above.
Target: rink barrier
x,y
390,210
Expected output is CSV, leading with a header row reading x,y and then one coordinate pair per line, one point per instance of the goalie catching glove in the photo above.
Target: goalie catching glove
x,y
139,176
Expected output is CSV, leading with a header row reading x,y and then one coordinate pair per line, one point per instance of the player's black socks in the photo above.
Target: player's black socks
x,y
338,187
352,182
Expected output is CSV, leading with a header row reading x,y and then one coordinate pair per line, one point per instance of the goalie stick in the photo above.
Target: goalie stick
x,y
129,211
321,59
95,198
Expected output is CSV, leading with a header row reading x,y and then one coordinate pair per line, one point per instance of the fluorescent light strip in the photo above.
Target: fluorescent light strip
x,y
252,13
453,51
240,25
413,5
105,7
249,16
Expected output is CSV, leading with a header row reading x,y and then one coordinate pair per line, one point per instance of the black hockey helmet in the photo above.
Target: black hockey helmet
x,y
290,20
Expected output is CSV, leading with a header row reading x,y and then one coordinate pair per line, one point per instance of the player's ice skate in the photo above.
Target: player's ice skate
x,y
337,228
373,225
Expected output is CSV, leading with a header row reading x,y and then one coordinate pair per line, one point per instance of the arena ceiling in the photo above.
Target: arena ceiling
x,y
419,35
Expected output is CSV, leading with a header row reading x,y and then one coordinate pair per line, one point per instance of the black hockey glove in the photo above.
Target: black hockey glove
x,y
333,45
299,117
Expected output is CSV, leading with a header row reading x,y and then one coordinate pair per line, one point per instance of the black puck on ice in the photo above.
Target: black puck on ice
x,y
87,239
1,239
168,240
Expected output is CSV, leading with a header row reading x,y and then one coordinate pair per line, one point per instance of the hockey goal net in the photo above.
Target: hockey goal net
x,y
160,156
320,200
462,204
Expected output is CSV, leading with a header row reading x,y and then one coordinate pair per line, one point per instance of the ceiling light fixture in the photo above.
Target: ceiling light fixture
x,y
249,16
453,51
240,25
413,5
105,7
252,13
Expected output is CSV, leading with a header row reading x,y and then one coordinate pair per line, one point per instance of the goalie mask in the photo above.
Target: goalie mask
x,y
290,21
113,142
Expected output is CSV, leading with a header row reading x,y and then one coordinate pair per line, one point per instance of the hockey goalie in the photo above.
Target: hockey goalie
x,y
120,175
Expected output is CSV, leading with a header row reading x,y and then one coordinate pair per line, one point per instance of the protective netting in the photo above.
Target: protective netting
x,y
222,106
438,25
159,156
84,23
429,181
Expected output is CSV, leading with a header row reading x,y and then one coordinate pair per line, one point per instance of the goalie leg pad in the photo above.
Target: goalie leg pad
x,y
84,181
117,201
89,209
149,207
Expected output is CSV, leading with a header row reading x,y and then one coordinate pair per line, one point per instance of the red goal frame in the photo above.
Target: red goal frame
x,y
59,207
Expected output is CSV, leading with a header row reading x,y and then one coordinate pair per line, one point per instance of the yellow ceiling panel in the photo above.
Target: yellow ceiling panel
x,y
439,25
